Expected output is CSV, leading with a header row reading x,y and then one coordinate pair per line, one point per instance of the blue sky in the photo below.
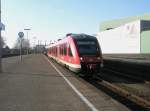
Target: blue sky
x,y
52,19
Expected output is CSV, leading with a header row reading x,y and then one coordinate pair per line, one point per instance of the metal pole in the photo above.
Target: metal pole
x,y
38,46
21,50
34,46
27,40
0,42
45,42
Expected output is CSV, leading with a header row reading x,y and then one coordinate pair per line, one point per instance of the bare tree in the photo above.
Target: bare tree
x,y
2,42
25,43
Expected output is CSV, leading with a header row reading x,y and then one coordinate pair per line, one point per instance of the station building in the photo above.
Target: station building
x,y
126,35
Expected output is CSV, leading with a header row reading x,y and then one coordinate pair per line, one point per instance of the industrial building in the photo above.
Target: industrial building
x,y
127,35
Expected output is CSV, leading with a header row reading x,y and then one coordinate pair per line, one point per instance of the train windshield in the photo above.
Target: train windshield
x,y
87,47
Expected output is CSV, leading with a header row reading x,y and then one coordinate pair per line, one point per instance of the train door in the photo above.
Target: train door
x,y
70,55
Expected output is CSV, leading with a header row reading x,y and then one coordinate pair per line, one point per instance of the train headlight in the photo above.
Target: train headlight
x,y
81,58
98,58
101,65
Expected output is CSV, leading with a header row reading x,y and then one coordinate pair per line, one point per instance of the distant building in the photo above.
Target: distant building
x,y
127,35
40,48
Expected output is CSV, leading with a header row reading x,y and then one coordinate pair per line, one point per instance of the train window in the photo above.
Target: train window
x,y
61,50
53,50
87,47
70,52
56,51
65,49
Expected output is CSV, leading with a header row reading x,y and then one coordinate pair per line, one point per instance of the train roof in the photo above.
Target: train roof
x,y
82,36
77,37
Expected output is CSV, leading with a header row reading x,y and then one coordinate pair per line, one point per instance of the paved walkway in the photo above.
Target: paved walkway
x,y
35,86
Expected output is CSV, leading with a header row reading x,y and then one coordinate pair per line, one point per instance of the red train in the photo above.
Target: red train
x,y
78,52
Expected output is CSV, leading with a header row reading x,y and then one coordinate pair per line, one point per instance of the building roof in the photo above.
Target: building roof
x,y
118,22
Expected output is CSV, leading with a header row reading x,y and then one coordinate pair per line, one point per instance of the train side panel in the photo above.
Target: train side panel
x,y
65,53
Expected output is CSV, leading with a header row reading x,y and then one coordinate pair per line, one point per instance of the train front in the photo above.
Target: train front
x,y
90,54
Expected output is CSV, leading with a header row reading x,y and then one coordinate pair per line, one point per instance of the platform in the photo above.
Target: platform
x,y
131,58
35,85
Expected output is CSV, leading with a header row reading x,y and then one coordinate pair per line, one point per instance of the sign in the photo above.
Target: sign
x,y
21,34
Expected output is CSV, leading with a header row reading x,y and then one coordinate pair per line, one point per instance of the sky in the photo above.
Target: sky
x,y
52,19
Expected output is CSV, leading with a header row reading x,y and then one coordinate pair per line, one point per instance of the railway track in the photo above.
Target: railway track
x,y
128,76
121,84
106,82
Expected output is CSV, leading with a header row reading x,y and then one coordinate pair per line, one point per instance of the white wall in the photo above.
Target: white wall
x,y
124,39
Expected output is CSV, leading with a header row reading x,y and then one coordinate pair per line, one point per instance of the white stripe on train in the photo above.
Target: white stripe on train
x,y
64,62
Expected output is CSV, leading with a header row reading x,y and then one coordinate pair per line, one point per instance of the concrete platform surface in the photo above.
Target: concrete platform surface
x,y
132,58
34,85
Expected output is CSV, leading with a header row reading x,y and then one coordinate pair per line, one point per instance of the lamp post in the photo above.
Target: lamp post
x,y
0,42
34,46
40,46
27,30
2,27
